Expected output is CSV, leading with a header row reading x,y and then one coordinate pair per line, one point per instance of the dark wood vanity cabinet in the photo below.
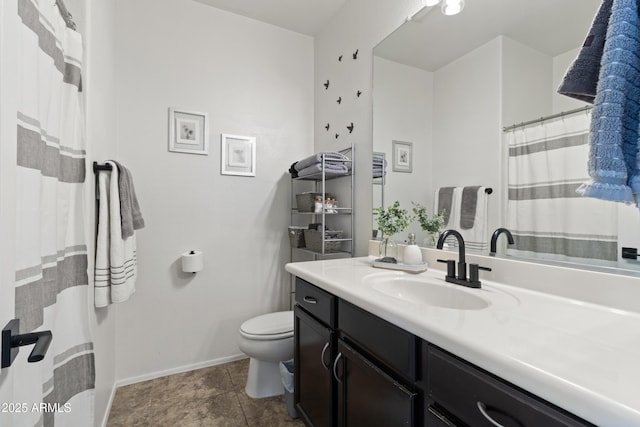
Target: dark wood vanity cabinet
x,y
339,383
367,396
462,394
315,348
376,369
314,387
352,368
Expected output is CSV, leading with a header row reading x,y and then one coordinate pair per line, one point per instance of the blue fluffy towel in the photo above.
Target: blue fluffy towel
x,y
581,80
613,155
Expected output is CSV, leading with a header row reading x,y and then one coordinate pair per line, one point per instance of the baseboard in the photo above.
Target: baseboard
x,y
109,403
180,369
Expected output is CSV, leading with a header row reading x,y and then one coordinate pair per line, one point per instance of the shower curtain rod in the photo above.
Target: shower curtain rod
x,y
552,116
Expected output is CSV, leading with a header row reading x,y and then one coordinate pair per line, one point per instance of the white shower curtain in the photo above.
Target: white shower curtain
x,y
547,163
51,282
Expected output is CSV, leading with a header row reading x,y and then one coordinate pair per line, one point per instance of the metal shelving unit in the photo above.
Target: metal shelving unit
x,y
342,217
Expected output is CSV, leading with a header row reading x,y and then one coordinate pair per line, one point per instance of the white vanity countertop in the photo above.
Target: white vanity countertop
x,y
582,357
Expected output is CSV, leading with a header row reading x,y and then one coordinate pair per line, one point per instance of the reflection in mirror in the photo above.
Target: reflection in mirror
x,y
449,85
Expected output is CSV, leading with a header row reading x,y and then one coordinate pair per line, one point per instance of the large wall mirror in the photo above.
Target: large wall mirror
x,y
444,90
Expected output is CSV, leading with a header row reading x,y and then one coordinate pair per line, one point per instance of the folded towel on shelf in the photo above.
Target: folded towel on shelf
x,y
330,157
116,265
616,112
129,208
330,170
378,172
581,79
379,160
293,171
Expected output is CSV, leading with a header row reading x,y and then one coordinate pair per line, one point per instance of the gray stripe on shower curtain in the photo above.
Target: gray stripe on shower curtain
x,y
47,42
544,192
33,297
550,144
593,249
69,379
35,153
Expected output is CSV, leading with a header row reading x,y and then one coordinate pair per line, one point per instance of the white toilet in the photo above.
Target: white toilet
x,y
267,340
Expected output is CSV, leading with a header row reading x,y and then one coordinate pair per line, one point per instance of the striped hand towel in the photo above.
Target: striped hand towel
x,y
116,266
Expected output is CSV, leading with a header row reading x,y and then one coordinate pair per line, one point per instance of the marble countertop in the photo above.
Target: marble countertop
x,y
581,356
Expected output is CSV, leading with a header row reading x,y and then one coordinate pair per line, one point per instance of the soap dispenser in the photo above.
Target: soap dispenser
x,y
412,253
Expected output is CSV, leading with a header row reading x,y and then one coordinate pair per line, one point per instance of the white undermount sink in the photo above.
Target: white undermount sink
x,y
428,291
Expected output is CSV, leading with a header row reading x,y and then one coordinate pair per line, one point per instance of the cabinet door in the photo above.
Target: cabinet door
x,y
367,396
314,388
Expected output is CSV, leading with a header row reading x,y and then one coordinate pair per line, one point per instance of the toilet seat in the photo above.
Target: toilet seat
x,y
271,326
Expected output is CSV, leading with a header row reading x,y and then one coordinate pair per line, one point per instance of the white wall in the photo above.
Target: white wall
x,y
360,24
253,79
403,111
100,95
466,121
526,79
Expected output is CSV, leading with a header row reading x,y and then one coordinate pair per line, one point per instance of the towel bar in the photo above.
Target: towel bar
x,y
97,167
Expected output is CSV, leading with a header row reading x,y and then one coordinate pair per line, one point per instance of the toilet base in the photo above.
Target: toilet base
x,y
263,379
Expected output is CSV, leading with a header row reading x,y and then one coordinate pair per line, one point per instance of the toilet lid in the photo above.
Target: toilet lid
x,y
276,325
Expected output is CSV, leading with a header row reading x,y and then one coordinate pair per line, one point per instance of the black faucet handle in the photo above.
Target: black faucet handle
x,y
474,275
451,267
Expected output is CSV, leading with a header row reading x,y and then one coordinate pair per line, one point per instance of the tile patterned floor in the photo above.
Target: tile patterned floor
x,y
208,397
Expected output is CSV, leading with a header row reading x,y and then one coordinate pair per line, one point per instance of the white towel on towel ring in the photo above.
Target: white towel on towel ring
x,y
116,267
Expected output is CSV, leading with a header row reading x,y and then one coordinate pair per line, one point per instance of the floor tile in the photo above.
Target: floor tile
x,y
208,397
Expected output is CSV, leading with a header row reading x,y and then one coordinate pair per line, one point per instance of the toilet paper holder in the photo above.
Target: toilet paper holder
x,y
192,261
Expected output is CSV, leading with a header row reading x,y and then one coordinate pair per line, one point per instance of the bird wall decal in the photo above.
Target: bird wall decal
x,y
350,127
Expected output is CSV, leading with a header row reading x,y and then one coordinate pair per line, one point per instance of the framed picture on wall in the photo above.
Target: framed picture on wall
x,y
402,155
188,132
238,155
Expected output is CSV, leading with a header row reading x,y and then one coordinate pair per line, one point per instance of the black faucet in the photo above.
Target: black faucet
x,y
461,279
494,239
462,265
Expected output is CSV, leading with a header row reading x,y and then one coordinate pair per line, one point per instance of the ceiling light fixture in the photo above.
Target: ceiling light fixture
x,y
449,7
452,7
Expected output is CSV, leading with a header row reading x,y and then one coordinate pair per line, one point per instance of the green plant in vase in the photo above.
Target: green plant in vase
x,y
431,225
391,220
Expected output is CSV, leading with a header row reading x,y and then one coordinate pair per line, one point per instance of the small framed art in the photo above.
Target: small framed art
x,y
188,132
238,155
402,156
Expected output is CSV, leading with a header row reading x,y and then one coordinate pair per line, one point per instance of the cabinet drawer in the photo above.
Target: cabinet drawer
x,y
317,302
474,397
395,347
